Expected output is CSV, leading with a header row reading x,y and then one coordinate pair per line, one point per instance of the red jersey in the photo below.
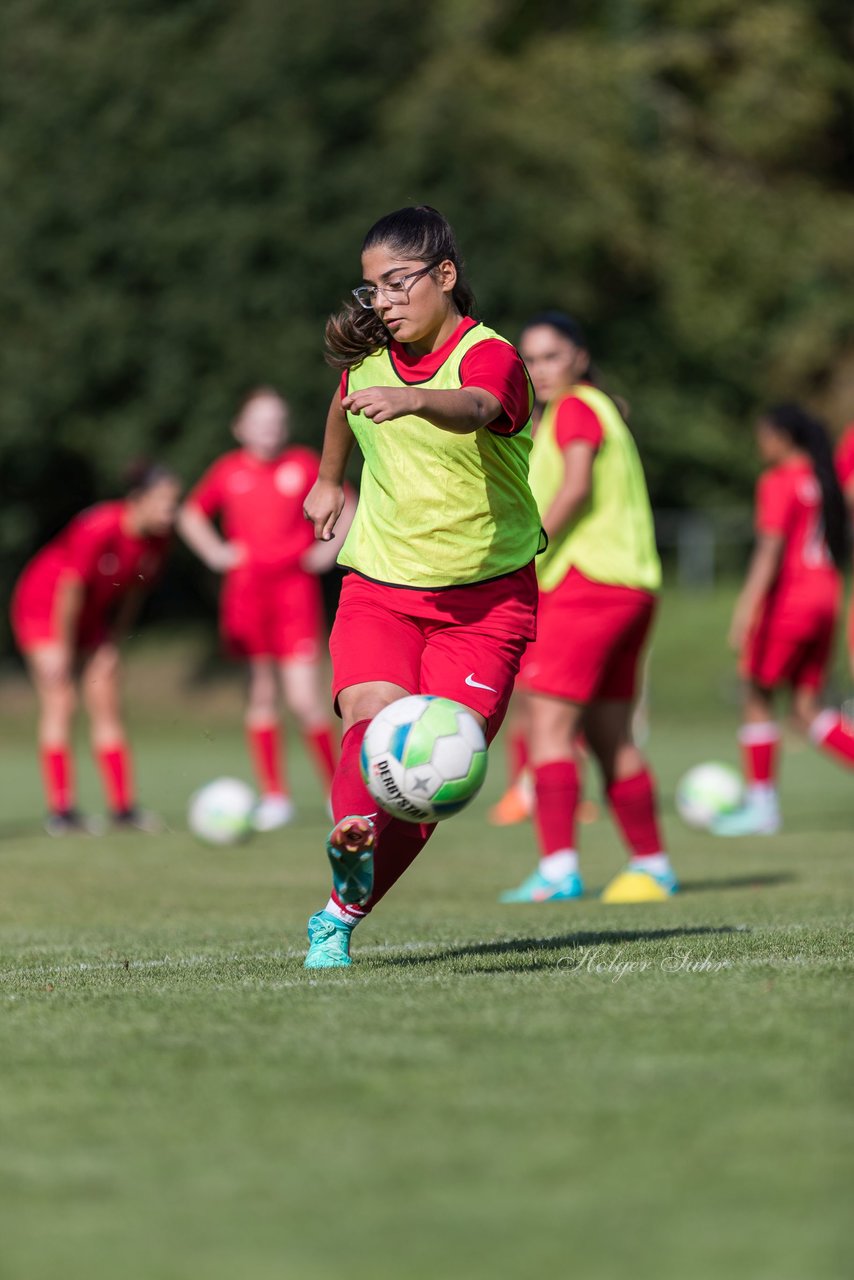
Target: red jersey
x,y
96,549
260,504
491,365
845,457
788,503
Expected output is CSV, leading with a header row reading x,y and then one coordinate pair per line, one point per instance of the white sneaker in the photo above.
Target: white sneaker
x,y
273,811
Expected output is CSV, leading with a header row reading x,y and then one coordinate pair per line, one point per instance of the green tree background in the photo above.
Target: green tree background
x,y
184,185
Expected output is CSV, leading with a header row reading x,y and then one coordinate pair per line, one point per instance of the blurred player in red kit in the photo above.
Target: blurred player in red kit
x,y
785,617
270,608
845,474
71,606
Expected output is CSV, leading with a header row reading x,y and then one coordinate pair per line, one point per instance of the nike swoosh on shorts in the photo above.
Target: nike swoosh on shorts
x,y
475,684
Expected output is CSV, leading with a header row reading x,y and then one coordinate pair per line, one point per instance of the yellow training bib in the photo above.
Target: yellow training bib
x,y
437,509
612,539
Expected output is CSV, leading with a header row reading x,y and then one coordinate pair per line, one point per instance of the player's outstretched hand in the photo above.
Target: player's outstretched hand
x,y
382,404
323,506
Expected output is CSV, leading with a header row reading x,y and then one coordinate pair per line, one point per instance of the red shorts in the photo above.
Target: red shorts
x,y
791,646
272,614
33,613
464,643
589,638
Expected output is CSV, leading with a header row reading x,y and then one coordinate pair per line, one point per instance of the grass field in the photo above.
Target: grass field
x,y
658,1091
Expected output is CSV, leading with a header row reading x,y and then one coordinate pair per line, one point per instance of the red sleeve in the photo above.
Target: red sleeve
x,y
497,367
208,494
86,537
773,503
845,457
575,420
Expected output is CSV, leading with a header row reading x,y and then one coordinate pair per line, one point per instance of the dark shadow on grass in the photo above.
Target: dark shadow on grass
x,y
762,881
563,942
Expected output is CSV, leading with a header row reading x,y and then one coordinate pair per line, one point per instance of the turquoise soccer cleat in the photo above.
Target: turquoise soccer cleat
x,y
350,847
752,819
329,943
536,888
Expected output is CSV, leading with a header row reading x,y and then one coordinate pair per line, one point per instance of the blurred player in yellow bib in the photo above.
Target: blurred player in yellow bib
x,y
599,581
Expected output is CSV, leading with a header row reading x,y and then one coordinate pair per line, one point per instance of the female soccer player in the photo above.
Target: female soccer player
x,y
270,609
845,474
441,593
598,581
71,606
784,619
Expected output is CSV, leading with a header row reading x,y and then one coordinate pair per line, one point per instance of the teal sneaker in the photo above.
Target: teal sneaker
x,y
753,819
538,889
350,846
329,942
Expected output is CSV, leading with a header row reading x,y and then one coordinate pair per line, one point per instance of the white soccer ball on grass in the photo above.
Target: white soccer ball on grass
x,y
707,792
221,811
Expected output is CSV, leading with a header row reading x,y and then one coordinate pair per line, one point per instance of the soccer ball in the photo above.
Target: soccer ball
x,y
423,758
707,791
221,811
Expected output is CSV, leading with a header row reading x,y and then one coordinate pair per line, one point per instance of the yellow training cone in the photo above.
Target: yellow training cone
x,y
634,886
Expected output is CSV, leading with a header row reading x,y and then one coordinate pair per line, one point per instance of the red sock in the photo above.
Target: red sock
x,y
634,807
556,787
58,778
759,743
517,755
322,747
833,734
265,752
349,793
114,766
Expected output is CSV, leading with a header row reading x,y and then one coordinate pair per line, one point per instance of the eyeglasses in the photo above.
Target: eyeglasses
x,y
394,291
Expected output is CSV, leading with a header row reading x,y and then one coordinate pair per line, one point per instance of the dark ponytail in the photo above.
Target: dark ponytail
x,y
810,435
420,233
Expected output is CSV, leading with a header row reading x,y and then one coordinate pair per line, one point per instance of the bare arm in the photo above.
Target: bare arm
x,y
325,502
575,488
201,536
459,411
761,575
321,555
69,603
56,665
